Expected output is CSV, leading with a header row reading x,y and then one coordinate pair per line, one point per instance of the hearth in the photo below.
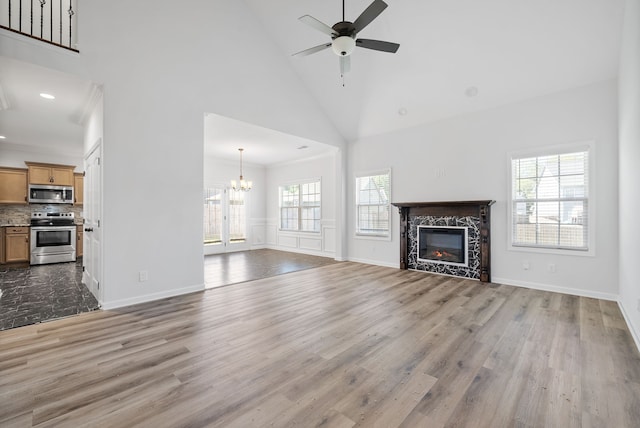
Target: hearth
x,y
444,245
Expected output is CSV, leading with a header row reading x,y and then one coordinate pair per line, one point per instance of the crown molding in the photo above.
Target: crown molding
x,y
4,101
92,98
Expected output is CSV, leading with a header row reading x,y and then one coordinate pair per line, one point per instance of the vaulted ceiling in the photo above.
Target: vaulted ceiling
x,y
455,57
501,50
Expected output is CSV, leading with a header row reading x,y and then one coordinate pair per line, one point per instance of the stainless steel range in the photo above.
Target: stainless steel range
x,y
53,237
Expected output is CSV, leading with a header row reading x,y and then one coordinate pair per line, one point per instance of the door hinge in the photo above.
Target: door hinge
x,y
82,268
98,223
98,161
98,285
84,173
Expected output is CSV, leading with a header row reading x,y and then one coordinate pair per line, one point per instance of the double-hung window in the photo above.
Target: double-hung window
x,y
550,199
300,208
373,204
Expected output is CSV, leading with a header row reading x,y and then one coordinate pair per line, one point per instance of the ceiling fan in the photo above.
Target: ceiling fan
x,y
343,35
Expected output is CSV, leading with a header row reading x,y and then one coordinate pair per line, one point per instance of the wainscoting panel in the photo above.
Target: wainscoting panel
x,y
287,241
313,244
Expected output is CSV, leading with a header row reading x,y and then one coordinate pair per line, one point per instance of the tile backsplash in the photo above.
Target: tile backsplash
x,y
21,214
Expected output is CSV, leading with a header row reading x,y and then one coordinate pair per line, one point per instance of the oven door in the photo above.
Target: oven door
x,y
52,244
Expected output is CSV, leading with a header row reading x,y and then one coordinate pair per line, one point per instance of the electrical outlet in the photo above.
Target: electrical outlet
x,y
552,267
525,265
143,275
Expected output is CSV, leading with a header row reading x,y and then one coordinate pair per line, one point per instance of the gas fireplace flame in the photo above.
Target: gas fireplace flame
x,y
441,253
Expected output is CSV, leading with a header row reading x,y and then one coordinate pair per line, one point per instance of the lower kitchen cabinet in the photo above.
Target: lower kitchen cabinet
x,y
16,244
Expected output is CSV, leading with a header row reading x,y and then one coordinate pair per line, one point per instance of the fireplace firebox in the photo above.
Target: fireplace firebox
x,y
443,244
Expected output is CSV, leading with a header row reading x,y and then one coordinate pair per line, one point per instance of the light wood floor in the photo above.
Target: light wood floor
x,y
337,346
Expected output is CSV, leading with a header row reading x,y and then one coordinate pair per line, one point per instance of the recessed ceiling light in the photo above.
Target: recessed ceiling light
x,y
2,137
402,111
471,91
303,147
47,96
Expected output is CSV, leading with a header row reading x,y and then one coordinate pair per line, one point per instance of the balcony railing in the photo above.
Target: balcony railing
x,y
50,21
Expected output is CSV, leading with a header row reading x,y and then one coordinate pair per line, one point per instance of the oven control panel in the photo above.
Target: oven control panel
x,y
51,215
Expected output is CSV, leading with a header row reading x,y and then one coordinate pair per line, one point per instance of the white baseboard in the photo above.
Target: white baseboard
x,y
107,305
374,262
556,289
635,334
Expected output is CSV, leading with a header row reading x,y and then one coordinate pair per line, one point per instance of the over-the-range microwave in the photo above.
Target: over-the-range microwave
x,y
43,194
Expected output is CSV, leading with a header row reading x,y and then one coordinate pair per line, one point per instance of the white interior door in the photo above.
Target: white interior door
x,y
225,220
92,260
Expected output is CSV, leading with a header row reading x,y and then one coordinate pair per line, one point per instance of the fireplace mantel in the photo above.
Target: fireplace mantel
x,y
472,209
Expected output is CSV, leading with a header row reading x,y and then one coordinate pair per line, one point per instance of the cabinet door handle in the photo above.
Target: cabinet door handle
x,y
88,229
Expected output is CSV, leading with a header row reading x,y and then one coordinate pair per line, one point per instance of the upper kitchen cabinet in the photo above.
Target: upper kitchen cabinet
x,y
13,186
46,173
78,188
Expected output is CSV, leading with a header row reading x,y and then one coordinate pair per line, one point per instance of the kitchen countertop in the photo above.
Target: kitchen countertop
x,y
14,225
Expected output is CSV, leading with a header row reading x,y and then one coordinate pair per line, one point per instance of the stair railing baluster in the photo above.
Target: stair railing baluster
x,y
71,13
42,3
60,22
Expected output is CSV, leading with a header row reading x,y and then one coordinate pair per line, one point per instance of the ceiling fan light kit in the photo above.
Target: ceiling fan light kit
x,y
343,35
343,45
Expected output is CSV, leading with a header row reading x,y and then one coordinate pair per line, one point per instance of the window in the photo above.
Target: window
x,y
550,200
213,197
237,216
300,207
372,204
224,216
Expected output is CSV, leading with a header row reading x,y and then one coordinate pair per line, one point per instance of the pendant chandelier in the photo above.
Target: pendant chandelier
x,y
244,185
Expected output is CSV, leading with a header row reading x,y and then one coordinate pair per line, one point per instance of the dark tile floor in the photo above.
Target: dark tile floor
x,y
33,294
231,268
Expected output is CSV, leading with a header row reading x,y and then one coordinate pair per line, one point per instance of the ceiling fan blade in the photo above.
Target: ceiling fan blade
x,y
318,25
378,45
369,15
312,50
345,64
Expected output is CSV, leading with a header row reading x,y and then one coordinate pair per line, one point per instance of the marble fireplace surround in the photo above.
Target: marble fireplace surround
x,y
474,215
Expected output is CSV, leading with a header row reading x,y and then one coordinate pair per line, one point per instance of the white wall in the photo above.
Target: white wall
x,y
466,158
160,74
221,172
13,156
323,243
629,173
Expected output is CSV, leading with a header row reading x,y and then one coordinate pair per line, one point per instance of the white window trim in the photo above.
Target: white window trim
x,y
300,183
369,236
552,150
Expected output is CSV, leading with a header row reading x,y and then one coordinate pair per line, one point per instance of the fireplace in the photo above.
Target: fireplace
x,y
443,244
448,238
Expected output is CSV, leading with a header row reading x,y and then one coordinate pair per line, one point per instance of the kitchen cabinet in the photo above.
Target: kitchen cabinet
x,y
13,186
79,240
16,244
78,188
46,173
